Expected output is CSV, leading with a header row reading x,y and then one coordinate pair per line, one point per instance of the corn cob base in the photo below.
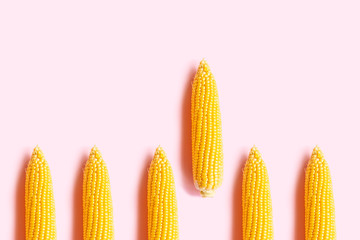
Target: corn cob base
x,y
203,192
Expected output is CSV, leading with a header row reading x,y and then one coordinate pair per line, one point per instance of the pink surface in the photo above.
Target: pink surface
x,y
75,74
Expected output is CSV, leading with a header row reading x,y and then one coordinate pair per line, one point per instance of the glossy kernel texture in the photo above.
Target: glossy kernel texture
x,y
256,199
319,199
207,146
39,199
161,199
97,201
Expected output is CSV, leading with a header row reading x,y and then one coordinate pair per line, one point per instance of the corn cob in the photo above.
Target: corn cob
x,y
39,199
97,202
161,197
256,199
319,199
207,152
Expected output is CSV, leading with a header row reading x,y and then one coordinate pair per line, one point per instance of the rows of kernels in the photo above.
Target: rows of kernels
x,y
256,199
161,199
39,199
319,200
207,146
97,201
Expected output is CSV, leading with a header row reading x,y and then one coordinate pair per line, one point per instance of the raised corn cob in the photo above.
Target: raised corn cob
x,y
207,147
39,199
161,198
256,199
97,202
319,199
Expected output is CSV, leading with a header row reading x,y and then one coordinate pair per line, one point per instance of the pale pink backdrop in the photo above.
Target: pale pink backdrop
x,y
118,75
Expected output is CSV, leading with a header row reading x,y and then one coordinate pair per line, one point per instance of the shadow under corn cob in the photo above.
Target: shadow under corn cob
x,y
319,199
207,146
256,199
97,202
161,199
39,199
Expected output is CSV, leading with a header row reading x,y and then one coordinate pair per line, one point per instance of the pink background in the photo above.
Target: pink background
x,y
78,73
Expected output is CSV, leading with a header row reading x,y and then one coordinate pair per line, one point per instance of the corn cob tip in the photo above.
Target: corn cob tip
x,y
204,67
255,153
36,148
159,157
160,154
317,153
95,153
37,153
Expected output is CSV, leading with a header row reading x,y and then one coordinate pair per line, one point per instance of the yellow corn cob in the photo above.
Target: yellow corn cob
x,y
207,152
256,199
39,199
319,199
161,197
97,202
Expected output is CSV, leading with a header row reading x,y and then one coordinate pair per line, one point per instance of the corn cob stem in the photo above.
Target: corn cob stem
x,y
161,197
256,199
207,152
39,199
319,199
97,201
